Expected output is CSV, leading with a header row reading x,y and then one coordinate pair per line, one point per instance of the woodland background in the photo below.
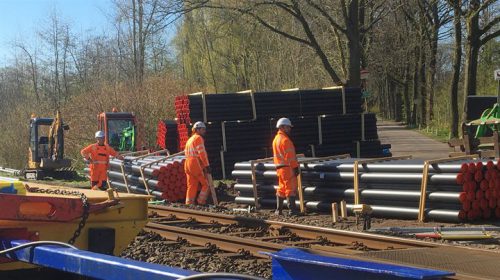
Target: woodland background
x,y
424,57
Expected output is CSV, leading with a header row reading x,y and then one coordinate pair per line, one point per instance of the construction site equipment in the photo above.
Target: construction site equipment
x,y
90,264
480,130
15,172
120,129
293,263
12,186
87,219
463,189
290,263
46,149
490,118
363,214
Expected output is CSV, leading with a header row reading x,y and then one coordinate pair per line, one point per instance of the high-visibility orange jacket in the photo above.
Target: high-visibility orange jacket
x,y
99,156
196,161
284,151
285,160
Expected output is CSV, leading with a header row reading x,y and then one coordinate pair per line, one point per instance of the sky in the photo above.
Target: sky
x,y
20,19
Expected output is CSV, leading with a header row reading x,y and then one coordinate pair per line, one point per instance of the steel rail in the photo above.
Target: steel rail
x,y
372,241
222,241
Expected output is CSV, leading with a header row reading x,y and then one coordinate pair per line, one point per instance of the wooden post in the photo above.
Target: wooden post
x,y
496,147
343,209
356,182
425,178
301,192
254,179
335,213
212,189
124,178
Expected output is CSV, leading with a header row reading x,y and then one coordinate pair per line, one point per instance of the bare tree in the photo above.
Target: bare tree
x,y
477,35
351,27
457,58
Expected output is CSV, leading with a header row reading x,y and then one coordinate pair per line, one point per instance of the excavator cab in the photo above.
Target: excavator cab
x,y
120,130
46,150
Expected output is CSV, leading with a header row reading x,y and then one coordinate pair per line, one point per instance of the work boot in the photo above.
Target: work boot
x,y
279,205
292,207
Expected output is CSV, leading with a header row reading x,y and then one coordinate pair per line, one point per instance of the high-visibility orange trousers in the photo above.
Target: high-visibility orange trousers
x,y
287,182
195,178
98,175
193,184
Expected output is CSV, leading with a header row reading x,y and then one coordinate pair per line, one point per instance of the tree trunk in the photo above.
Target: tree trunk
x,y
472,45
422,89
142,44
432,60
363,38
457,57
397,102
353,43
414,115
134,39
406,93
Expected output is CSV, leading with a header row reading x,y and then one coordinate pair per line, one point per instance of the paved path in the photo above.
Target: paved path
x,y
409,142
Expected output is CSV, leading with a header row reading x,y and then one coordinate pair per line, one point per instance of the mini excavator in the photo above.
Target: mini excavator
x,y
46,150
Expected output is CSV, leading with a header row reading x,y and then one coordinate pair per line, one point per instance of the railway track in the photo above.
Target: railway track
x,y
242,234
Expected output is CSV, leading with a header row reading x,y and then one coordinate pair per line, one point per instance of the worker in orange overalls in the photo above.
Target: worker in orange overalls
x,y
97,156
287,166
196,166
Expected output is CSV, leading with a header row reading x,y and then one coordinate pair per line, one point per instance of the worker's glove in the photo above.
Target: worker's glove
x,y
208,170
87,161
296,170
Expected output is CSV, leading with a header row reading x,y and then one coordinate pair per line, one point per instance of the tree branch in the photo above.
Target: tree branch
x,y
278,31
332,22
490,25
484,5
344,11
490,36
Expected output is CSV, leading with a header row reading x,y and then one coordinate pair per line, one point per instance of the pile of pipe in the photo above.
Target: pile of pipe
x,y
241,126
272,104
456,191
165,179
167,136
481,190
183,133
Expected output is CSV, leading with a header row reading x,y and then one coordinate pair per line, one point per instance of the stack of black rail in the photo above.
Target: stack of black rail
x,y
241,126
392,188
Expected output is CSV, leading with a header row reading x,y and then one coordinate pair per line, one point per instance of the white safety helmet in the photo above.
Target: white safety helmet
x,y
199,125
283,121
99,134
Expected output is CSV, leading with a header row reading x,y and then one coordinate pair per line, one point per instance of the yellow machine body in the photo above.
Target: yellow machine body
x,y
127,219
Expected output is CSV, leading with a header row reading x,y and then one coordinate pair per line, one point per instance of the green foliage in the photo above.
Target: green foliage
x,y
220,51
489,61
